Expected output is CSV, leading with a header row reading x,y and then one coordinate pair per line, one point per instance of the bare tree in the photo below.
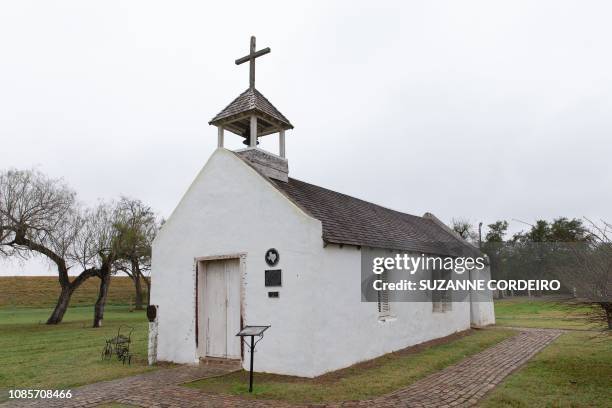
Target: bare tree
x,y
465,229
97,248
137,227
586,267
40,217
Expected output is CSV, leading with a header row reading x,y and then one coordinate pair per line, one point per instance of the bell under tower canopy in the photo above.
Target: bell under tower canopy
x,y
236,117
251,115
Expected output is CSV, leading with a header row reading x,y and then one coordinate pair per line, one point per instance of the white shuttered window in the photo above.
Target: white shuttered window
x,y
384,308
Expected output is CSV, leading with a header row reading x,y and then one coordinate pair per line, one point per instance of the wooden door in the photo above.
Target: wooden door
x,y
222,308
232,276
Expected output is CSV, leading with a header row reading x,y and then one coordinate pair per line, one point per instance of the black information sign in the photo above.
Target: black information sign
x,y
272,257
252,331
273,277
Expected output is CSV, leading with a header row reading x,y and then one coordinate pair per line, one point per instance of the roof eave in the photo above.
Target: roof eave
x,y
220,121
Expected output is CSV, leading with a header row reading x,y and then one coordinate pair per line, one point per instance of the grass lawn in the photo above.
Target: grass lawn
x,y
37,356
574,371
377,377
522,312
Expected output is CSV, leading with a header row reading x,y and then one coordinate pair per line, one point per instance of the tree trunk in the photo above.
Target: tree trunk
x,y
62,305
137,284
607,307
102,295
148,283
68,289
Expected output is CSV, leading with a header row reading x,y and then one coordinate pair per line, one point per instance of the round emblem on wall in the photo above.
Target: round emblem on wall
x,y
272,257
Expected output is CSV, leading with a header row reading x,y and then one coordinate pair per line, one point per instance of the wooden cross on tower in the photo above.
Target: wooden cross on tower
x,y
251,58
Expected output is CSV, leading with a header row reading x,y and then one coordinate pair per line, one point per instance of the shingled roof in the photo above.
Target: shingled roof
x,y
251,101
349,220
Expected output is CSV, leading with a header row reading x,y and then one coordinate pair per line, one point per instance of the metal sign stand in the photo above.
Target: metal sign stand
x,y
252,331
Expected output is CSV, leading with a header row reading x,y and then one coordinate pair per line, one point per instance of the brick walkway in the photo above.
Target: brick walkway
x,y
459,385
465,383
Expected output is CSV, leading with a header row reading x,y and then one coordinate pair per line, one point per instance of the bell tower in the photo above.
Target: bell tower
x,y
252,116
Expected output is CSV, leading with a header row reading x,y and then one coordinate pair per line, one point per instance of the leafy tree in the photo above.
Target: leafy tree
x,y
560,229
565,230
497,231
494,248
540,232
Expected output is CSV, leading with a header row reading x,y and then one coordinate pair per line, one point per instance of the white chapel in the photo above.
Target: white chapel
x,y
249,245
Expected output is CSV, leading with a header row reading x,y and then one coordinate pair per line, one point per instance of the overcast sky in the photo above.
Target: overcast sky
x,y
485,110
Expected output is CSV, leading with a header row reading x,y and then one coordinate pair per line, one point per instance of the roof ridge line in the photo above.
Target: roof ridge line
x,y
228,105
272,182
271,104
453,233
360,199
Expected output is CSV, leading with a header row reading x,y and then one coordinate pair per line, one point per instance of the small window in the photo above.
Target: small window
x,y
441,300
384,308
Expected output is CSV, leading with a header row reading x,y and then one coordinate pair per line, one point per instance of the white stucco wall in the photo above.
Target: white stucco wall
x,y
319,323
350,331
230,209
482,312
